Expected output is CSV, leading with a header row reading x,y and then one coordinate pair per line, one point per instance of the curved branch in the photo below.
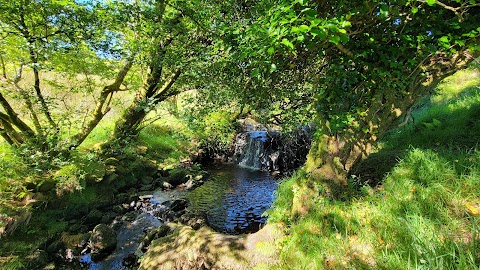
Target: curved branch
x,y
102,105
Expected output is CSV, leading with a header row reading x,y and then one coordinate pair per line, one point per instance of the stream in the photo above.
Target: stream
x,y
233,200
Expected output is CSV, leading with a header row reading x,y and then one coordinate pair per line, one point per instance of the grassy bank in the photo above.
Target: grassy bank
x,y
423,214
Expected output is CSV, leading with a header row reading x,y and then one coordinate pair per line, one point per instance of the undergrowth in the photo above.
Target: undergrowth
x,y
425,214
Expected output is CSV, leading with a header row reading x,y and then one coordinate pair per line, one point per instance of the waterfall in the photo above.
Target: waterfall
x,y
267,150
250,150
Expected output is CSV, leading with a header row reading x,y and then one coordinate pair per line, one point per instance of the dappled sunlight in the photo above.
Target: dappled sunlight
x,y
206,249
463,82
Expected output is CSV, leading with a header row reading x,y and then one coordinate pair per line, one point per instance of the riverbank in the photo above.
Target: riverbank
x,y
186,248
414,204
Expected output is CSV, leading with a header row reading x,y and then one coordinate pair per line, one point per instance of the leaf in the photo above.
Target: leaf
x,y
273,67
301,38
472,209
255,73
414,10
430,2
443,39
334,39
287,43
304,28
344,39
319,32
271,50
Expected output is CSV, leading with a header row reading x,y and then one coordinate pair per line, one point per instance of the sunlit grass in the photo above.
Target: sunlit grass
x,y
424,215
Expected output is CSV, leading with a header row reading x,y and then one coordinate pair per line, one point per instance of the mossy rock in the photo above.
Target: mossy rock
x,y
177,176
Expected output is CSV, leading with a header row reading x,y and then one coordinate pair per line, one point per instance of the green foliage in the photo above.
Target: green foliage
x,y
349,60
68,179
424,214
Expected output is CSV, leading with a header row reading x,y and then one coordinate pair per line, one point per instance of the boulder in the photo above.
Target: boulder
x,y
102,241
178,205
167,186
177,176
156,233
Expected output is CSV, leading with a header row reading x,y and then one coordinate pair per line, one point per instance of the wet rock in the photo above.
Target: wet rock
x,y
196,220
178,205
192,183
130,262
167,186
102,241
156,233
145,197
130,216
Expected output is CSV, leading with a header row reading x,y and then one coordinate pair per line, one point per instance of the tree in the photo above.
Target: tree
x,y
367,64
165,38
178,34
37,37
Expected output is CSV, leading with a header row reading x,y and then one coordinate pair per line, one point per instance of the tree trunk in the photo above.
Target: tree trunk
x,y
130,122
333,155
103,105
12,117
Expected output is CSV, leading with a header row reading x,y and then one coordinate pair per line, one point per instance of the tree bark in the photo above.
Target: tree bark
x,y
332,156
129,124
38,91
103,105
12,117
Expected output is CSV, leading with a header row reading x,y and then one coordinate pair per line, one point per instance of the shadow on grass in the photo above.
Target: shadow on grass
x,y
452,126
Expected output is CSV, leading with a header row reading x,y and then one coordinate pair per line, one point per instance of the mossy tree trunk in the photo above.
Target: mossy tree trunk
x,y
154,91
334,153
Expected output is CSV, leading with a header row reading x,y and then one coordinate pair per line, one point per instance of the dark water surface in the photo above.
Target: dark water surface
x,y
234,198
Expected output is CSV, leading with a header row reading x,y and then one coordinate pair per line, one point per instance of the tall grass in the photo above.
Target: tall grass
x,y
424,215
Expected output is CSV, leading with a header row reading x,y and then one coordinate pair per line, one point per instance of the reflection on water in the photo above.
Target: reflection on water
x,y
235,198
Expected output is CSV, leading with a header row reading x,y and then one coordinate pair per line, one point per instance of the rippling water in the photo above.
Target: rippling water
x,y
234,198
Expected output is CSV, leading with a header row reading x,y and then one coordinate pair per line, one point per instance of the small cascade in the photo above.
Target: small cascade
x,y
268,151
257,150
251,150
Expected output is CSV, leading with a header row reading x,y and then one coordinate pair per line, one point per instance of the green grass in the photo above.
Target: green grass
x,y
424,213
